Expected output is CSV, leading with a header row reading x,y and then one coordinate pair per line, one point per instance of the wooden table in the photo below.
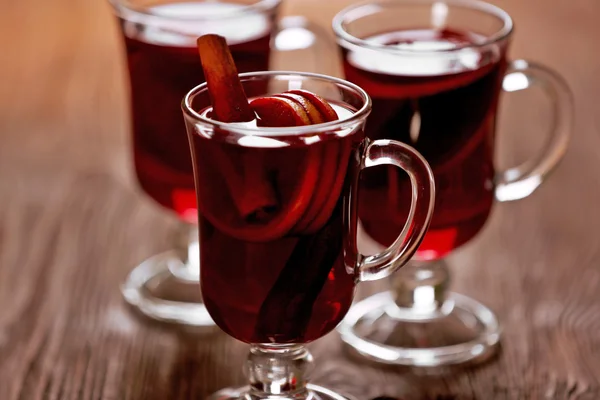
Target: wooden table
x,y
72,224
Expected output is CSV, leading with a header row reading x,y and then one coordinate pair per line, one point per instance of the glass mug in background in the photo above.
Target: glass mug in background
x,y
278,223
163,62
435,71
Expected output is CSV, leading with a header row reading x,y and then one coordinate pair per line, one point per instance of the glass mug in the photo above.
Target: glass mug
x,y
163,61
278,225
435,71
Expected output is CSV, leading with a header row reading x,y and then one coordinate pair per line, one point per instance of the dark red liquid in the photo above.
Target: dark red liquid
x,y
446,109
277,236
163,66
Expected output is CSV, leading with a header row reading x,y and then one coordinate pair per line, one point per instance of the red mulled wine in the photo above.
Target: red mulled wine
x,y
444,105
276,264
163,65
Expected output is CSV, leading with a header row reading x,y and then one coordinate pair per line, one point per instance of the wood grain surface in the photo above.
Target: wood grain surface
x,y
73,223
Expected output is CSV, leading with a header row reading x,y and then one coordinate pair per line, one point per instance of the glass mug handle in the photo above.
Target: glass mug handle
x,y
391,152
299,45
519,182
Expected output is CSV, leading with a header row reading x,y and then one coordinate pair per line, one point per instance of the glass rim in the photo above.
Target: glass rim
x,y
491,9
260,5
279,132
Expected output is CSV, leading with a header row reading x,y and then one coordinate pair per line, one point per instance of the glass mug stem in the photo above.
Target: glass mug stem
x,y
420,291
278,371
187,266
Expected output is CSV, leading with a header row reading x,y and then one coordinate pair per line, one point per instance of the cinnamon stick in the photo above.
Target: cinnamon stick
x,y
249,186
227,95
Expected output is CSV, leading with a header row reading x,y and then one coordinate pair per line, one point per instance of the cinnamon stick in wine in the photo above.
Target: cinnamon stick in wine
x,y
227,95
249,184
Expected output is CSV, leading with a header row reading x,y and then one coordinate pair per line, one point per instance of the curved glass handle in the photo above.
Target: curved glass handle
x,y
519,182
391,152
299,45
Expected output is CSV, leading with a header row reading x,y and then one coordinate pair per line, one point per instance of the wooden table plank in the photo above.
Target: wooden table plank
x,y
72,223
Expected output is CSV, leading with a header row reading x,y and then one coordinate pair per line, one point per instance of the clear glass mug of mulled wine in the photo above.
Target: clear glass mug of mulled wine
x,y
160,41
278,223
435,71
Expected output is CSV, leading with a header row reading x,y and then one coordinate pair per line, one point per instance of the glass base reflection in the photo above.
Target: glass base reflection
x,y
464,330
314,393
163,289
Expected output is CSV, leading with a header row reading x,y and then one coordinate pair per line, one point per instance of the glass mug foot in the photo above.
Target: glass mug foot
x,y
419,323
375,328
278,372
162,289
314,393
